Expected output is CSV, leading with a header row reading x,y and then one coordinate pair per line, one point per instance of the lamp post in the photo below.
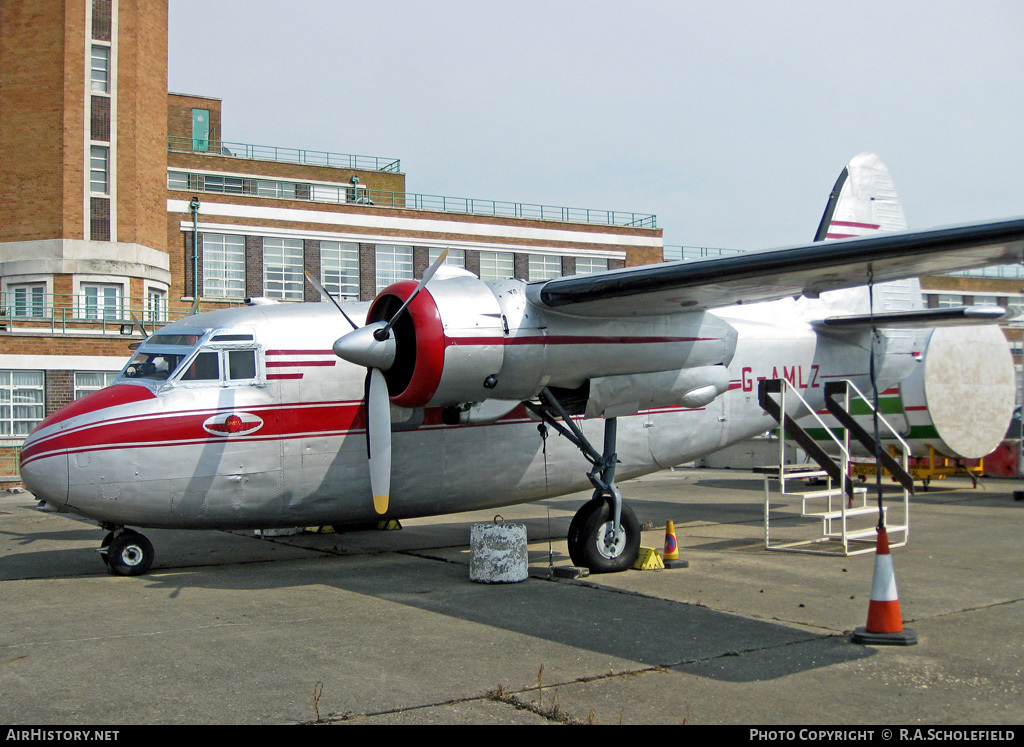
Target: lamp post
x,y
193,207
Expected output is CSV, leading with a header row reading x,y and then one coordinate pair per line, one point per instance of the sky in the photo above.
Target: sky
x,y
729,121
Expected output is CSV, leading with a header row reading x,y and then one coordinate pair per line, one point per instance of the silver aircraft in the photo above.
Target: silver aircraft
x,y
445,395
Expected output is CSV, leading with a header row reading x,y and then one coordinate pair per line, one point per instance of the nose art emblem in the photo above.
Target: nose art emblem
x,y
233,424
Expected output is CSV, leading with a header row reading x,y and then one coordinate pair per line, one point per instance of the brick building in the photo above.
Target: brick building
x,y
120,201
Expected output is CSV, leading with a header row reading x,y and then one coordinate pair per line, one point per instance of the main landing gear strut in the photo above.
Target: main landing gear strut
x,y
604,535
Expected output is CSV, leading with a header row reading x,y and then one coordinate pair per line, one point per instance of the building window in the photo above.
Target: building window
x,y
545,267
947,301
21,402
230,185
266,188
325,193
99,169
101,19
394,263
223,265
99,218
100,301
99,123
588,265
339,269
497,265
27,300
87,382
455,258
282,269
100,73
156,308
179,180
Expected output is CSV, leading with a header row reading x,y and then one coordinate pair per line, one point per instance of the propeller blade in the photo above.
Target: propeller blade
x,y
383,333
140,325
324,294
378,431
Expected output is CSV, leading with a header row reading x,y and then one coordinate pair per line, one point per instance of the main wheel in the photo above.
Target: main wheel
x,y
129,554
604,551
575,536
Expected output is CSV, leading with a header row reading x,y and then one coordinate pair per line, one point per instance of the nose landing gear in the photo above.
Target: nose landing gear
x,y
126,552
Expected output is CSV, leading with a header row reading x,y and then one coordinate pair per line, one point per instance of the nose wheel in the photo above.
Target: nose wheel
x,y
126,552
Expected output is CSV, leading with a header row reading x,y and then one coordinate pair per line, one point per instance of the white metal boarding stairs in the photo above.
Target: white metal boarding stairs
x,y
848,520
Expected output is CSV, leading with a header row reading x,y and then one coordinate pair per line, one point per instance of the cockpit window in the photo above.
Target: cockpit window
x,y
153,366
241,364
189,340
205,367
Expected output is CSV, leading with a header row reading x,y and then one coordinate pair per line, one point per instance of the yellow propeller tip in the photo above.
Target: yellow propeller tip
x,y
380,503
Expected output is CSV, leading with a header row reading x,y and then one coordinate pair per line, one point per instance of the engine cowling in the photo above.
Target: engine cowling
x,y
463,340
449,341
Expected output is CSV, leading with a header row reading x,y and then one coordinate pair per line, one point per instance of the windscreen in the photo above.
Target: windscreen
x,y
153,366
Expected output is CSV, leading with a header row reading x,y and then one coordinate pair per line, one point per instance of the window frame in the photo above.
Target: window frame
x,y
344,269
393,268
283,265
102,306
99,83
99,170
589,263
491,263
230,256
9,402
544,267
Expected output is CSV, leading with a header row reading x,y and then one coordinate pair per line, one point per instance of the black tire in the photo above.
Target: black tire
x,y
129,554
103,548
601,558
575,536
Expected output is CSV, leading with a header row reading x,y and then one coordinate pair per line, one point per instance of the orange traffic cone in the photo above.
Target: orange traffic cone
x,y
885,623
671,554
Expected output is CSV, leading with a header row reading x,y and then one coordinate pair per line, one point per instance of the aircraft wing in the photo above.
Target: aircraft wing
x,y
801,270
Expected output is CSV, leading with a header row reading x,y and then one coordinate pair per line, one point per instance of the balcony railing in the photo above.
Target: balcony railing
x,y
283,155
57,313
357,195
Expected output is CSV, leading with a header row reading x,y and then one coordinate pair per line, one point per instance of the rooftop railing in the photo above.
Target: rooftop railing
x,y
675,253
282,155
357,194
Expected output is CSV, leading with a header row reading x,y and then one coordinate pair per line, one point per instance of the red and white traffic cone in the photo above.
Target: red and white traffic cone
x,y
885,623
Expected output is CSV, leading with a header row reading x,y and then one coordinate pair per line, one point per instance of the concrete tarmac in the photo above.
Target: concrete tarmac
x,y
385,627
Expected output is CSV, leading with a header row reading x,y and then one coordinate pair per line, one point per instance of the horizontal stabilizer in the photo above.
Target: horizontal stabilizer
x,y
949,317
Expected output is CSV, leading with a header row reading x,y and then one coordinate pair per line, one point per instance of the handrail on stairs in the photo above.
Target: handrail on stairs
x,y
839,473
841,412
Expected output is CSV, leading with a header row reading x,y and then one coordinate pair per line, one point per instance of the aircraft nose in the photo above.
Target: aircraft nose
x,y
45,475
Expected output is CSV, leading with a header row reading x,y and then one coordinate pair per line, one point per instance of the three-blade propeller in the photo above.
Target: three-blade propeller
x,y
373,347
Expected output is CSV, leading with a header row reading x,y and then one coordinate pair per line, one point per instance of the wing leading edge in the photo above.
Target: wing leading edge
x,y
802,270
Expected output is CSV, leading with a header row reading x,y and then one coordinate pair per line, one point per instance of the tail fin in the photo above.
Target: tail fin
x,y
864,201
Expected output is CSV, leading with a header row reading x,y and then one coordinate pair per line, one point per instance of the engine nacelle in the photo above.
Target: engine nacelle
x,y
463,340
